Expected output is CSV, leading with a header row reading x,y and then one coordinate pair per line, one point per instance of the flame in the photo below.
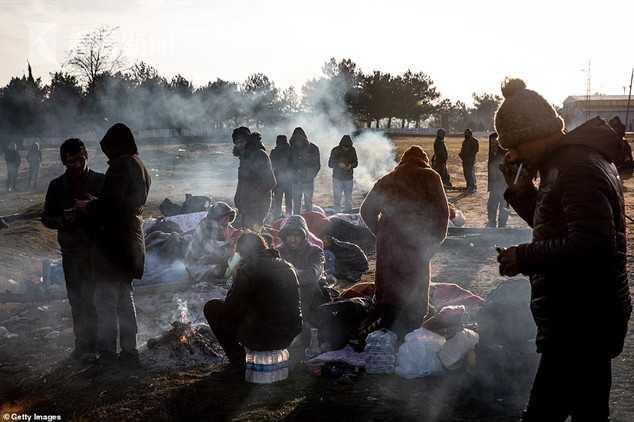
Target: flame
x,y
184,339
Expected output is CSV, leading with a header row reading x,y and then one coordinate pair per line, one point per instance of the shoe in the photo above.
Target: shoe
x,y
130,359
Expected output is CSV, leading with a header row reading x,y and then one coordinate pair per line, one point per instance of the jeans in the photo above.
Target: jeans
x,y
340,187
114,299
305,190
497,212
80,287
571,381
282,193
470,176
34,171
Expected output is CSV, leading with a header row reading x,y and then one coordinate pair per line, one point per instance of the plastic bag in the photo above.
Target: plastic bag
x,y
457,347
418,356
380,347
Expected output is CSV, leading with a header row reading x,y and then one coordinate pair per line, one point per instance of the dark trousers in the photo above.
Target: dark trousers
x,y
399,319
497,212
443,172
80,287
469,175
282,193
571,382
12,176
34,171
303,190
342,187
225,329
114,299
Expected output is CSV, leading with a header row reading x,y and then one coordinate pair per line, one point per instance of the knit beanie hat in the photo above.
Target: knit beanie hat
x,y
524,115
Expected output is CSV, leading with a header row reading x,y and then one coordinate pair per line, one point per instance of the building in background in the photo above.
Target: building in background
x,y
579,108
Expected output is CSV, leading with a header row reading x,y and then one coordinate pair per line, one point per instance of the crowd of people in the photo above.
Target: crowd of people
x,y
576,260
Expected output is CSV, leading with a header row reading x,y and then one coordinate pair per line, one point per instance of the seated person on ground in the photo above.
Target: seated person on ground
x,y
212,244
262,310
348,261
308,261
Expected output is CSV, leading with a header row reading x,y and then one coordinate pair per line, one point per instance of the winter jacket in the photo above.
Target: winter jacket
x,y
304,159
440,157
495,179
210,249
577,259
264,299
77,236
407,211
350,260
255,180
469,150
12,157
34,156
119,209
280,160
343,154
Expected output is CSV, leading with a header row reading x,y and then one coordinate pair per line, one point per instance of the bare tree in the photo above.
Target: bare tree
x,y
97,53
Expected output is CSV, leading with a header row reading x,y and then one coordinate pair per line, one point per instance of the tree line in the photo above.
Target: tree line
x,y
95,88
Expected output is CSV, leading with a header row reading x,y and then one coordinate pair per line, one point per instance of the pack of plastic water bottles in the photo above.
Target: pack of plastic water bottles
x,y
381,348
266,367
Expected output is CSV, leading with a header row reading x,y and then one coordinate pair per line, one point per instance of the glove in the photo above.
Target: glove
x,y
509,264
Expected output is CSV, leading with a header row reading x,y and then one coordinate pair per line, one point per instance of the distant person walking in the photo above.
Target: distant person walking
x,y
13,159
439,159
343,160
468,153
305,164
280,160
256,180
496,205
77,240
34,158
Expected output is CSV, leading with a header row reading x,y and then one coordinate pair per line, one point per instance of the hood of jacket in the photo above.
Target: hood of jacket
x,y
219,210
599,136
118,141
414,156
346,141
281,141
299,137
294,223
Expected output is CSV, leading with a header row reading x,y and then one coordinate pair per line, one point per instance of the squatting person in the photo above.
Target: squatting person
x,y
343,160
76,237
577,260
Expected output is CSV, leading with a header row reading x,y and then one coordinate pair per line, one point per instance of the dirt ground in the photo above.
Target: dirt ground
x,y
37,377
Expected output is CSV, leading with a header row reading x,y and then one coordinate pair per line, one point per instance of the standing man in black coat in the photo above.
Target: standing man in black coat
x,y
255,179
577,260
13,160
343,160
305,164
439,159
497,212
468,153
280,160
76,237
121,245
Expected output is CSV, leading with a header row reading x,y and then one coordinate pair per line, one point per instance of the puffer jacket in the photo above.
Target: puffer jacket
x,y
577,259
264,298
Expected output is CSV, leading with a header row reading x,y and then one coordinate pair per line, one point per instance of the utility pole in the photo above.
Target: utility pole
x,y
627,109
588,91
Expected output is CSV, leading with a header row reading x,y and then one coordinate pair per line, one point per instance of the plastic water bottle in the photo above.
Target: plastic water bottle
x,y
313,348
265,367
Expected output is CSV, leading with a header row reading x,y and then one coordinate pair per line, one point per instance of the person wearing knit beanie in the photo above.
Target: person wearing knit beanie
x,y
580,296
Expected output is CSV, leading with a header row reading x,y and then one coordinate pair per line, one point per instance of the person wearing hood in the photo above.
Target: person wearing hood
x,y
13,160
280,160
407,210
467,154
343,160
77,241
212,244
255,179
497,213
262,310
439,159
34,158
305,164
576,262
308,261
121,244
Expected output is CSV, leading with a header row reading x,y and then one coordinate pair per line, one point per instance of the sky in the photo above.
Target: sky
x,y
465,46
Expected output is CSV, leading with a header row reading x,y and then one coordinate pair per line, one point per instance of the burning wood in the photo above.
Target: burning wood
x,y
184,337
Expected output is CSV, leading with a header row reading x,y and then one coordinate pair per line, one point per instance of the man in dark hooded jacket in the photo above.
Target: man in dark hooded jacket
x,y
76,237
280,160
497,213
308,261
255,179
343,160
577,260
121,244
467,154
262,309
305,164
439,159
13,160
